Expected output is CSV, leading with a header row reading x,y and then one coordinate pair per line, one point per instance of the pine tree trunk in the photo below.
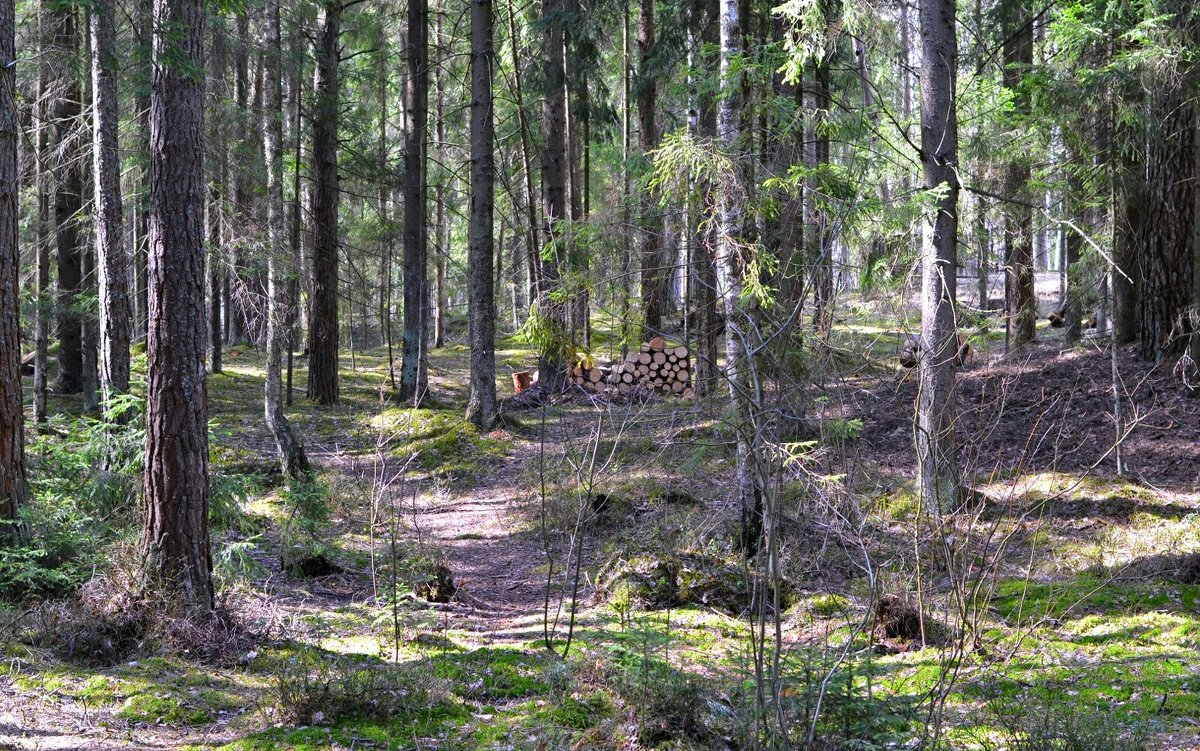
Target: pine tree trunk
x,y
114,280
175,542
145,13
14,488
45,304
323,318
68,199
413,376
551,360
216,193
653,270
937,472
1018,234
1166,231
441,294
290,450
481,409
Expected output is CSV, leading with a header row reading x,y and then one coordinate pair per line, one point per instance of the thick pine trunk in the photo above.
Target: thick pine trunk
x,y
551,360
1165,237
654,281
937,472
323,318
481,409
441,293
114,278
290,450
68,200
175,542
413,374
14,488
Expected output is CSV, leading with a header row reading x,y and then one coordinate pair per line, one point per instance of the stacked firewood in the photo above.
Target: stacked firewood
x,y
655,366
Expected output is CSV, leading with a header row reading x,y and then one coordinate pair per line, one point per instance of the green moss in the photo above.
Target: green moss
x,y
828,605
492,673
162,709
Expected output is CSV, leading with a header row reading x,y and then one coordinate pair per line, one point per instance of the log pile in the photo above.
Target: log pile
x,y
655,366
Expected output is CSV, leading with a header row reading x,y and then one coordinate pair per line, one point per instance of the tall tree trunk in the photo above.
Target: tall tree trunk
x,y
531,209
441,294
413,376
384,192
145,14
1164,241
481,408
821,250
45,304
175,543
14,488
730,226
1018,230
323,319
68,200
708,322
216,194
556,347
937,471
296,219
654,280
237,271
110,250
290,450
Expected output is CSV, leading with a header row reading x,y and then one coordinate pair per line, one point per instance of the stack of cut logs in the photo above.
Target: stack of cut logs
x,y
656,365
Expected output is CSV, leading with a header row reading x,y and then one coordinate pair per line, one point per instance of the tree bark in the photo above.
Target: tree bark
x,y
555,346
1164,241
175,542
937,472
323,330
481,408
216,196
68,200
14,488
730,221
1018,232
441,293
413,375
654,282
45,303
110,249
290,450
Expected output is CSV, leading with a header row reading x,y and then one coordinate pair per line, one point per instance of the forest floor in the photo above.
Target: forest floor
x,y
1060,601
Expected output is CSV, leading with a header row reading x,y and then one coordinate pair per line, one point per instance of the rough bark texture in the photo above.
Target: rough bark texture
x,y
175,544
1164,265
323,318
413,375
13,486
290,450
551,362
68,199
481,408
937,473
654,277
110,248
1018,234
